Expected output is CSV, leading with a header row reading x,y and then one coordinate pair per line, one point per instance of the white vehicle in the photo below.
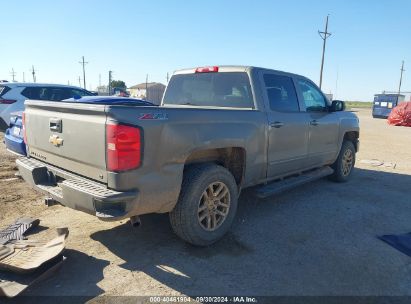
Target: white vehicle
x,y
13,95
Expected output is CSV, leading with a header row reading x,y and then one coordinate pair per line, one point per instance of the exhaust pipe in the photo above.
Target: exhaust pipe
x,y
135,221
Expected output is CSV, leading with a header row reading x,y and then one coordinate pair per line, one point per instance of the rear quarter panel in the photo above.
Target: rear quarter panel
x,y
169,142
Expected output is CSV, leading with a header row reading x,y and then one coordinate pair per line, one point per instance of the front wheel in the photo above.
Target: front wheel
x,y
206,206
345,162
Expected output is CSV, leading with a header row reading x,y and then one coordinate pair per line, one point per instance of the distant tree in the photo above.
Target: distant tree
x,y
118,84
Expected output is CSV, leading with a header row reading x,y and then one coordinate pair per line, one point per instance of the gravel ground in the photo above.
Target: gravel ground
x,y
319,239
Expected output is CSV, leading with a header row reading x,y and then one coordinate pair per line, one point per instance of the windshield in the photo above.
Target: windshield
x,y
210,89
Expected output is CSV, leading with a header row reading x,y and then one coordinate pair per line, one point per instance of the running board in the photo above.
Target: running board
x,y
279,186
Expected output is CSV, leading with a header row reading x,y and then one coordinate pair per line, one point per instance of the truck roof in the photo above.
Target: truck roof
x,y
233,68
36,84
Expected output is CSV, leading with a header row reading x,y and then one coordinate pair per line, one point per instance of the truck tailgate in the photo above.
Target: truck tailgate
x,y
69,136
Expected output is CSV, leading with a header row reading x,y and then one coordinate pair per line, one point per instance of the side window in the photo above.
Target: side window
x,y
79,93
313,99
32,93
281,93
55,94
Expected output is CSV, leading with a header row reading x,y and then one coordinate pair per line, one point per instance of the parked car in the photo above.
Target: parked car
x,y
121,92
13,95
13,138
217,131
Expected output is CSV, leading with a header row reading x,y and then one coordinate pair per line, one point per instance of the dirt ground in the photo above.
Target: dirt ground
x,y
319,239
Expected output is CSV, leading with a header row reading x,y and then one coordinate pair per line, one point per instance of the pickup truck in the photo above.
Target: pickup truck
x,y
218,130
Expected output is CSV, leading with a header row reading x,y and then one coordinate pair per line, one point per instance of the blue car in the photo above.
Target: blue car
x,y
14,134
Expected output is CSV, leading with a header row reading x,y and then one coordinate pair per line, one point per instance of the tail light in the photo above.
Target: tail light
x,y
7,101
212,69
24,127
123,147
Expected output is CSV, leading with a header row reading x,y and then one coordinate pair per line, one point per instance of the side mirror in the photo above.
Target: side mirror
x,y
337,105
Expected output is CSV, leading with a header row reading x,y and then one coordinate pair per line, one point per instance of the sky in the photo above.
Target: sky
x,y
134,38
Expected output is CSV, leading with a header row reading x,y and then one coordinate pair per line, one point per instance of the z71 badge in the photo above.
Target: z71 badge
x,y
153,116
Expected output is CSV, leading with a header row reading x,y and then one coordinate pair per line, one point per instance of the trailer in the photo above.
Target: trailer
x,y
384,103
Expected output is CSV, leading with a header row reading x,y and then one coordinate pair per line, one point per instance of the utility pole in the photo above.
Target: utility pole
x,y
24,77
324,36
33,72
99,80
13,74
84,71
167,77
402,71
79,81
147,87
110,75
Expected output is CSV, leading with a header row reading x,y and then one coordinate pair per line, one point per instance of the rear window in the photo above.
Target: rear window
x,y
3,90
210,89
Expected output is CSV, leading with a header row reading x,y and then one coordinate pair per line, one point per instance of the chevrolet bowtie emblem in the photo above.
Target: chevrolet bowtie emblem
x,y
55,140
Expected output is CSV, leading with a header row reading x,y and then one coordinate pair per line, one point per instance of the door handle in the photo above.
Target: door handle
x,y
55,124
314,123
277,124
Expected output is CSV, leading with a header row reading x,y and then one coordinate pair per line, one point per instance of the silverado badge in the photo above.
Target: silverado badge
x,y
55,140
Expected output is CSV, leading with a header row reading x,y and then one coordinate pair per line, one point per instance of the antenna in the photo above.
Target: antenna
x,y
324,36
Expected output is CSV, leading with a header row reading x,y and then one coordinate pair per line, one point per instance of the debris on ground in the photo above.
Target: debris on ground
x,y
378,163
23,261
17,230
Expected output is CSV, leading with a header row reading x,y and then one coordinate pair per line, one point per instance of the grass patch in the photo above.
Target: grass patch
x,y
358,104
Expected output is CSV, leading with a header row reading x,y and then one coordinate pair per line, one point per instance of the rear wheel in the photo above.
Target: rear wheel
x,y
345,162
206,206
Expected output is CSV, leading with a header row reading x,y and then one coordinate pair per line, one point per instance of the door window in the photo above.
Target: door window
x,y
314,100
79,92
281,93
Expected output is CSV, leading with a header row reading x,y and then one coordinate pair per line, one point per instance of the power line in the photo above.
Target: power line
x,y
324,36
402,71
84,71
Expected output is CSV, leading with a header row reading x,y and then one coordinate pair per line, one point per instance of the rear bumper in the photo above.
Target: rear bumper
x,y
14,144
77,192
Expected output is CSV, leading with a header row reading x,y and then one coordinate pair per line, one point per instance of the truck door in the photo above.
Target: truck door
x,y
287,125
323,125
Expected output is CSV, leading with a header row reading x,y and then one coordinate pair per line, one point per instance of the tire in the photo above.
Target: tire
x,y
192,219
344,164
